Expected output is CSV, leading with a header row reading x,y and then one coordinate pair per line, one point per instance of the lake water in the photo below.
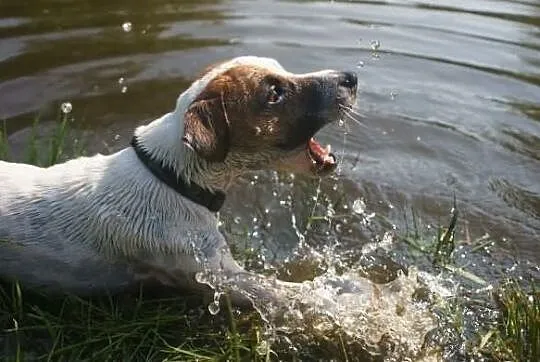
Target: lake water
x,y
449,96
450,90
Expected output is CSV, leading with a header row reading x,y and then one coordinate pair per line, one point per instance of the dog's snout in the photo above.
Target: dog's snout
x,y
347,80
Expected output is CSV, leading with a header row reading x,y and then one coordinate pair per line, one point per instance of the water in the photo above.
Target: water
x,y
448,103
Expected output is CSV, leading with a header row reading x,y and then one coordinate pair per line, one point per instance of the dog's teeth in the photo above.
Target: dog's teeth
x,y
328,148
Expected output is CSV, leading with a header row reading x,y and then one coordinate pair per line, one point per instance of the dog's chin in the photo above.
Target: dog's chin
x,y
313,159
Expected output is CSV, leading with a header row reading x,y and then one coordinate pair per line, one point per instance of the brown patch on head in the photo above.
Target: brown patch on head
x,y
228,112
262,114
206,130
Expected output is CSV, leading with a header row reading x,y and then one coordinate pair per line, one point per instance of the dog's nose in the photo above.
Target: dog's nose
x,y
348,80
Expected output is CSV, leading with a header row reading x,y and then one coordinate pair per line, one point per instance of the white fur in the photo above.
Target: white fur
x,y
96,223
163,136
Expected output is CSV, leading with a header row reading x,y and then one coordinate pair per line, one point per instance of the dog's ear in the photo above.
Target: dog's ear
x,y
206,131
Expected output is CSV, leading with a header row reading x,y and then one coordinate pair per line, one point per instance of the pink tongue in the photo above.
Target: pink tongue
x,y
322,154
316,148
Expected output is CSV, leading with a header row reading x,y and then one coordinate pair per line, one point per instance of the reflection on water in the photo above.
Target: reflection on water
x,y
449,103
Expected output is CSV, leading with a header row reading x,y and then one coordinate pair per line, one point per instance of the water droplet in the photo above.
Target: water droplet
x,y
120,80
393,95
213,308
124,89
66,107
237,219
418,138
117,137
262,348
359,206
375,44
127,26
360,64
341,122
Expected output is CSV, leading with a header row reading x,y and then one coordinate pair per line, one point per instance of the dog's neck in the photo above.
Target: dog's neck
x,y
159,146
162,138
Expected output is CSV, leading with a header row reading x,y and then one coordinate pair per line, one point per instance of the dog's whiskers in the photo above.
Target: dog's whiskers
x,y
224,109
354,111
351,116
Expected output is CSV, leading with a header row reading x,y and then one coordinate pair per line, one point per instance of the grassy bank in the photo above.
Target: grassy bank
x,y
145,325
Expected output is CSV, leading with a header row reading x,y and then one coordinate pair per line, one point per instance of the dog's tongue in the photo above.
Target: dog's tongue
x,y
313,159
323,160
320,155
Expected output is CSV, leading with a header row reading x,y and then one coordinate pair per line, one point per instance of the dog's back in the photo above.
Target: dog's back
x,y
45,238
82,226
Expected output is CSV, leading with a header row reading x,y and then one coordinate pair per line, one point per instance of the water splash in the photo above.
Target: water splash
x,y
375,44
66,107
213,307
127,26
354,307
359,206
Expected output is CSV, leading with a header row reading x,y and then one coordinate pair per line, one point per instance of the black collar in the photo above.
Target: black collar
x,y
212,201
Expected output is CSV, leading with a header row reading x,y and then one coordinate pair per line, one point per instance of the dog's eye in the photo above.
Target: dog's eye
x,y
275,95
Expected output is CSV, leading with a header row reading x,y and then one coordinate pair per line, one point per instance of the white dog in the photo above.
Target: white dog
x,y
103,223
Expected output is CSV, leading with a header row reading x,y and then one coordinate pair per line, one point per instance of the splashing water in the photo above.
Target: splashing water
x,y
66,107
370,304
127,26
213,307
355,307
359,206
375,44
360,311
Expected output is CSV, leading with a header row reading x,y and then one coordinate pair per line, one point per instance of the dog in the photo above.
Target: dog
x,y
147,213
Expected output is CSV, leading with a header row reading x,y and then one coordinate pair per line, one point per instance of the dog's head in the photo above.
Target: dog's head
x,y
252,114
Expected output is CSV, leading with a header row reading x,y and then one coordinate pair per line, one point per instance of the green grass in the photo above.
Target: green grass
x,y
141,325
517,336
122,328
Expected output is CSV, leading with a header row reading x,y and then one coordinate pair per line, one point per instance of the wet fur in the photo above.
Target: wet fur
x,y
103,223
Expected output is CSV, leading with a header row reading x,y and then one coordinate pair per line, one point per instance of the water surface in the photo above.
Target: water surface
x,y
449,90
449,100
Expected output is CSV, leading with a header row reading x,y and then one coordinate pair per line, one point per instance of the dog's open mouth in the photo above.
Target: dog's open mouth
x,y
313,159
323,159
